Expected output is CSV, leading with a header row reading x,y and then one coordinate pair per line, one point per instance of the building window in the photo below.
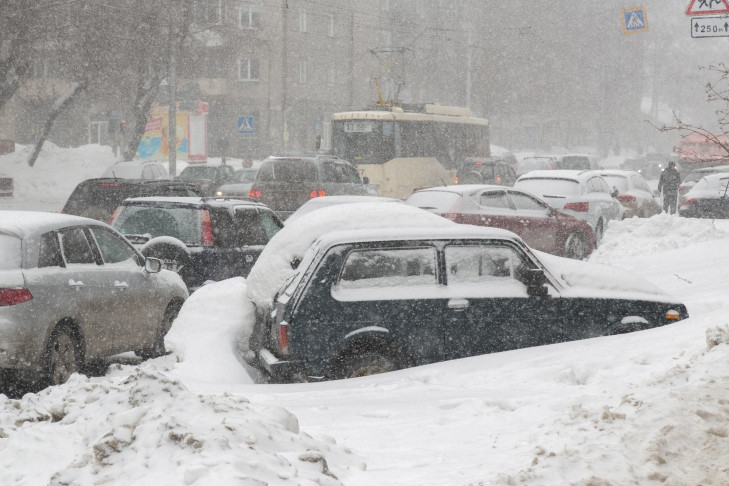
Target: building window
x,y
331,76
248,69
330,28
302,72
208,12
249,17
302,20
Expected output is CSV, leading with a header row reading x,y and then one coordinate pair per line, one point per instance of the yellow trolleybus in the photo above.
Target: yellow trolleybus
x,y
409,147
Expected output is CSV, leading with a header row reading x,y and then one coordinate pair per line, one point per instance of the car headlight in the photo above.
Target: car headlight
x,y
218,193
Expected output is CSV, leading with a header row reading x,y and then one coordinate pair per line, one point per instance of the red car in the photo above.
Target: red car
x,y
540,226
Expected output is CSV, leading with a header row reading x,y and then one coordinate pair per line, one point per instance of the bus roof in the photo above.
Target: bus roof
x,y
426,112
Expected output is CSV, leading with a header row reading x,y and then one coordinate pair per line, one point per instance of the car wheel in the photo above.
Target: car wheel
x,y
63,357
599,231
174,257
158,348
575,246
366,364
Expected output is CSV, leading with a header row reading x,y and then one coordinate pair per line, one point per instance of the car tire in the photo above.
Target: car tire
x,y
174,257
367,363
158,348
63,356
575,246
599,232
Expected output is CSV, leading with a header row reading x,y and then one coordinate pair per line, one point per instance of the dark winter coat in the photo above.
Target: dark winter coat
x,y
669,181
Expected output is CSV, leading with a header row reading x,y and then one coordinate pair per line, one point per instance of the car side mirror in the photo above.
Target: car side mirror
x,y
295,262
535,281
152,265
365,180
656,193
615,193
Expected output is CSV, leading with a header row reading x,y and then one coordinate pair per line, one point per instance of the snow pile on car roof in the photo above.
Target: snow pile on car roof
x,y
273,266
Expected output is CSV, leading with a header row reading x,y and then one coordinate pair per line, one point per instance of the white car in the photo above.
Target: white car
x,y
326,201
633,192
582,194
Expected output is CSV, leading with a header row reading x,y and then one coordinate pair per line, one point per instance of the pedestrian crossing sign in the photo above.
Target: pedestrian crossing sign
x,y
634,20
245,125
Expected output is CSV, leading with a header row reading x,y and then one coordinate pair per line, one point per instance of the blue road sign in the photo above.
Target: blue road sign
x,y
634,20
245,125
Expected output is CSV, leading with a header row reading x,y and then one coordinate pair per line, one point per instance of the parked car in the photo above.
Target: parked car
x,y
208,176
529,164
486,171
239,184
72,291
326,201
137,169
695,176
285,183
540,226
577,162
633,193
582,194
351,308
6,185
202,239
98,198
709,198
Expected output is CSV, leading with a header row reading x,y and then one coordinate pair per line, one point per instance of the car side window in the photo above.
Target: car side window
x,y
113,249
389,267
349,174
50,251
75,247
526,202
271,224
249,228
484,270
494,199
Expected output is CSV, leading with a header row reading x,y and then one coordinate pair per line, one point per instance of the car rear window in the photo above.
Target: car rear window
x,y
434,201
10,251
288,170
574,163
179,222
549,187
618,182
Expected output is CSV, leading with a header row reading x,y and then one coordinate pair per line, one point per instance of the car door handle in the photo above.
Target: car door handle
x,y
458,305
76,284
120,285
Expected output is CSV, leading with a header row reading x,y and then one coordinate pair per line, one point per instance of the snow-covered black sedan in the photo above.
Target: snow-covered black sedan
x,y
709,198
371,301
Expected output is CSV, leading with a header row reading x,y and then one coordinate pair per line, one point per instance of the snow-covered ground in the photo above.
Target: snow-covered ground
x,y
644,408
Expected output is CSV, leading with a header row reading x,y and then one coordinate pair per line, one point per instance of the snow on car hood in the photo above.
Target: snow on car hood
x,y
586,279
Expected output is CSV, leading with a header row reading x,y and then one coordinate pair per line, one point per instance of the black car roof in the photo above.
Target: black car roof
x,y
211,201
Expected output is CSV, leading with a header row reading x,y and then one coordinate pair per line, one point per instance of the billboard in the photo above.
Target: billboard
x,y
191,133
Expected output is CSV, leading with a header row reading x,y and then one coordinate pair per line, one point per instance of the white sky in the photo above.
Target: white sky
x,y
645,408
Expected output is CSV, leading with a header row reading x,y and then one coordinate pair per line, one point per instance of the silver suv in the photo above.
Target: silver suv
x,y
286,183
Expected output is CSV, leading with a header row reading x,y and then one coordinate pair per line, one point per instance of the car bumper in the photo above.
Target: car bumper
x,y
280,370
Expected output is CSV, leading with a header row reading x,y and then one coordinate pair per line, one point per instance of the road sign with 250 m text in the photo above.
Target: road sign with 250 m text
x,y
709,27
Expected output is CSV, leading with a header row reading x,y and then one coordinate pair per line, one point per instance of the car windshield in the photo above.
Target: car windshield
x,y
10,251
181,223
191,172
549,187
616,181
434,201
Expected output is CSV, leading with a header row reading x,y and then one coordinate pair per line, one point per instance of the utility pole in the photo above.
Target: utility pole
x,y
172,84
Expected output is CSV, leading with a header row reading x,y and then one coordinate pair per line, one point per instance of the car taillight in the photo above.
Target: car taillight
x,y
455,181
207,229
319,193
254,194
116,211
580,207
689,201
626,199
283,337
14,296
452,216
